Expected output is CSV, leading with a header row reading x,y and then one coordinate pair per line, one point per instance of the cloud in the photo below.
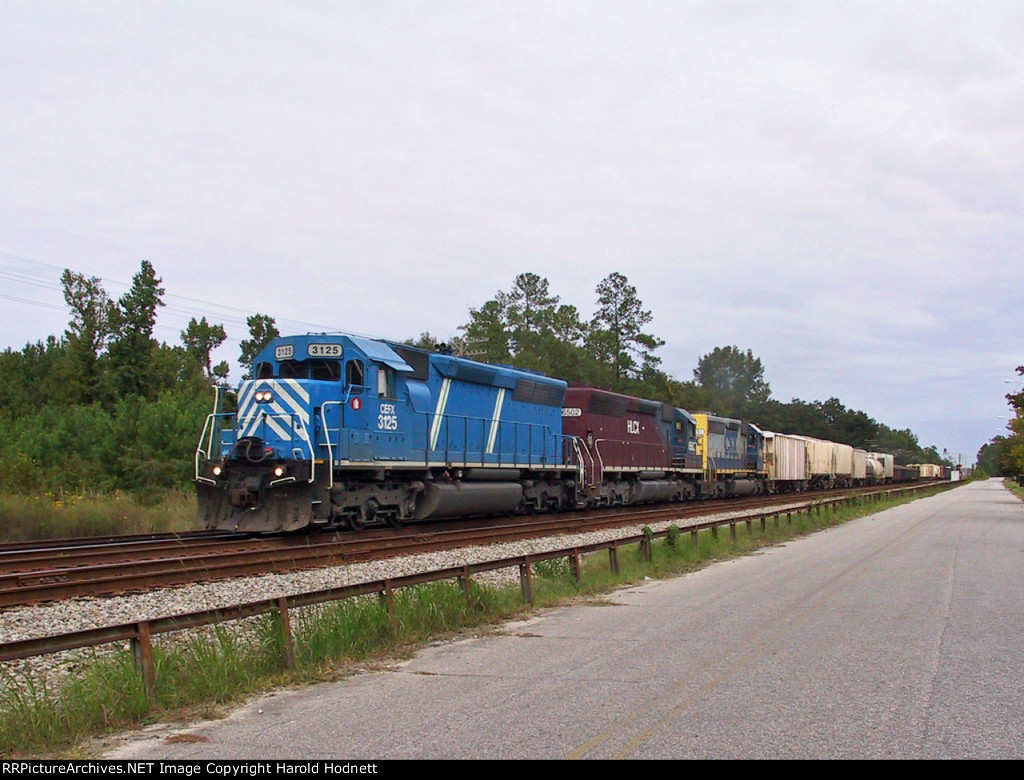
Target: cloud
x,y
834,186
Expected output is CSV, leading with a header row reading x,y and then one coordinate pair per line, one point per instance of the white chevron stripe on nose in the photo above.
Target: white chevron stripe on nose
x,y
290,398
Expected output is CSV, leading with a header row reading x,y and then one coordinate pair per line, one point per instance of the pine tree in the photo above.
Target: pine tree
x,y
486,333
132,345
616,335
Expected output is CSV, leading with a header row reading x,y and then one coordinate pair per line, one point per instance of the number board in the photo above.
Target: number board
x,y
324,350
284,352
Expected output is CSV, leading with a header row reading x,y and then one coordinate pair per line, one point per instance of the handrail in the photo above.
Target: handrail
x,y
582,455
210,423
548,456
294,422
202,454
327,436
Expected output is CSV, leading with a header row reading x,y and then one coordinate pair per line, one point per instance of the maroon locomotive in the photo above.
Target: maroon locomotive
x,y
631,450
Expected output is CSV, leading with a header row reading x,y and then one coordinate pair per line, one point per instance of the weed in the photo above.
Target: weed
x,y
204,670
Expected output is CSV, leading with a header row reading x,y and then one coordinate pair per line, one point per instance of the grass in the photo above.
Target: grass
x,y
24,518
1013,487
199,673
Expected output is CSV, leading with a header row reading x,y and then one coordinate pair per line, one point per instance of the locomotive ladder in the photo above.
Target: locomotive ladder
x,y
590,470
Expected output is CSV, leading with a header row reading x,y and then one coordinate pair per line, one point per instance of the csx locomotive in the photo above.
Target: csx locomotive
x,y
345,431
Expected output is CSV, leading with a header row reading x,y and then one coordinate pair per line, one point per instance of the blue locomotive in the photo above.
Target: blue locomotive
x,y
339,430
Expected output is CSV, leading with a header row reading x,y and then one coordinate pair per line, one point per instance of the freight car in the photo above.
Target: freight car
x,y
930,471
786,462
904,474
823,473
344,431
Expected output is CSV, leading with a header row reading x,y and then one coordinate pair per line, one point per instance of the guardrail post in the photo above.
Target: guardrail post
x,y
645,548
286,632
732,530
142,650
526,580
750,526
387,598
140,633
467,585
714,530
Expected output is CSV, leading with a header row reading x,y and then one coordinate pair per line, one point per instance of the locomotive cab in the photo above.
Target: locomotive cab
x,y
269,464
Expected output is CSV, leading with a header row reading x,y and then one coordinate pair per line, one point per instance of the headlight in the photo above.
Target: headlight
x,y
264,396
217,471
279,471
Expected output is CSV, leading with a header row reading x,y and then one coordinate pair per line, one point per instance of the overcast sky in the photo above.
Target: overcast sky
x,y
836,186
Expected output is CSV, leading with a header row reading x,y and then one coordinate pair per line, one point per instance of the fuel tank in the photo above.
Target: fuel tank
x,y
459,499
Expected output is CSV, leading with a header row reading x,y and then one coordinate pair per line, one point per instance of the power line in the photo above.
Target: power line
x,y
14,271
41,304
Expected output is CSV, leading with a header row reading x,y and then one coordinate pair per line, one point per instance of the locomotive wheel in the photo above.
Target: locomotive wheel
x,y
355,523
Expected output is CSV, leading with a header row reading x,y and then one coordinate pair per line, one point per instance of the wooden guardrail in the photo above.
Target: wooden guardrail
x,y
139,634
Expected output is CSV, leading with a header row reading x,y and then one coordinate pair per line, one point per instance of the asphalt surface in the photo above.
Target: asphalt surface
x,y
896,636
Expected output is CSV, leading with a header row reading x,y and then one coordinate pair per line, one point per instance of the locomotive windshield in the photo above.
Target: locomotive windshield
x,y
322,370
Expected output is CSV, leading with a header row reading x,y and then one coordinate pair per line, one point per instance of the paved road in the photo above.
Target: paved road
x,y
900,635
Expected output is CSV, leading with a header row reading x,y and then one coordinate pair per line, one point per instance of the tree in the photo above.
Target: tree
x,y
487,330
733,378
87,333
262,331
529,312
33,376
221,371
1012,453
133,320
616,335
200,339
528,328
903,444
990,455
849,425
426,341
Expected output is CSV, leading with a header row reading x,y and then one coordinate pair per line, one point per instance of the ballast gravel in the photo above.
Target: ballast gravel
x,y
83,613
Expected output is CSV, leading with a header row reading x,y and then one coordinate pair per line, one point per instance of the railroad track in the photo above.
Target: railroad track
x,y
50,571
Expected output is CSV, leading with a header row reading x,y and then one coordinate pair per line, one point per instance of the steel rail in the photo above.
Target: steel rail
x,y
140,633
168,565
